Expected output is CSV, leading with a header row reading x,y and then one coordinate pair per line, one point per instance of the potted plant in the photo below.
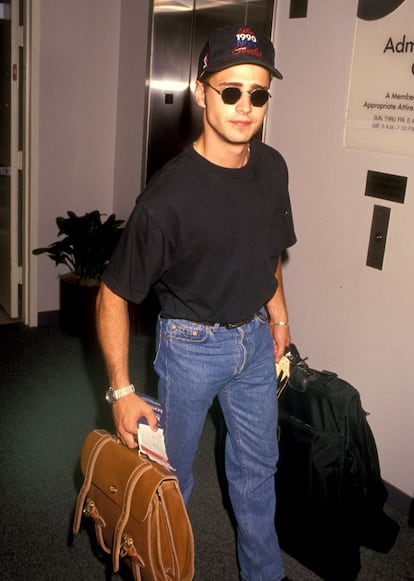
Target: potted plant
x,y
85,248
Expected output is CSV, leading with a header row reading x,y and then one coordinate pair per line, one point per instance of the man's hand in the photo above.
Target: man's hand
x,y
281,340
126,413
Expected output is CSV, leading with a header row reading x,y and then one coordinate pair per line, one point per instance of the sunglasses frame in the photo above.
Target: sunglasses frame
x,y
250,93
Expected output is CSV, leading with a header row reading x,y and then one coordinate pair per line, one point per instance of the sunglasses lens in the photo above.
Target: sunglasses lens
x,y
259,97
230,95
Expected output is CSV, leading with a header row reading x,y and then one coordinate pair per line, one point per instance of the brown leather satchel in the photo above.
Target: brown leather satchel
x,y
137,509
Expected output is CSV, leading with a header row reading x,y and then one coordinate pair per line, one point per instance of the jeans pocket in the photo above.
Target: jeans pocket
x,y
186,331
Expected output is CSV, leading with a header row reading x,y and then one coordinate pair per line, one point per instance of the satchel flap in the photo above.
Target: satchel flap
x,y
113,467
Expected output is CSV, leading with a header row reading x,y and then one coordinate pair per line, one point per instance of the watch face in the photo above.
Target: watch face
x,y
110,396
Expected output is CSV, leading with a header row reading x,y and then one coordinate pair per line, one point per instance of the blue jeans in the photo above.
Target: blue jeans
x,y
197,362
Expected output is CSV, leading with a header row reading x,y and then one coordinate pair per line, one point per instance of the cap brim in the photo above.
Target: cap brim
x,y
274,72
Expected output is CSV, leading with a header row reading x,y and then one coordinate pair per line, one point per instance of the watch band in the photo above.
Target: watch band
x,y
113,395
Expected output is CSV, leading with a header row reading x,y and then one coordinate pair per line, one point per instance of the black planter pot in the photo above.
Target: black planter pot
x,y
77,307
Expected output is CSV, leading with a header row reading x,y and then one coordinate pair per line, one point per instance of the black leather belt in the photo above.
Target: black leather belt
x,y
260,314
232,325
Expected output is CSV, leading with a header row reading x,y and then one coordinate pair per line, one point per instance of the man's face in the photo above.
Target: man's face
x,y
237,123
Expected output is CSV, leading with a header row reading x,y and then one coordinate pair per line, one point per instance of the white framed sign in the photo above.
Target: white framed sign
x,y
380,110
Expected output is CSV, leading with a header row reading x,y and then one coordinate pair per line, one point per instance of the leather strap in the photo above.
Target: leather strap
x,y
126,509
92,512
128,550
80,503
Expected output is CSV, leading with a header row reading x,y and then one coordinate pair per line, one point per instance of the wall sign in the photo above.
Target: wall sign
x,y
386,186
380,111
298,9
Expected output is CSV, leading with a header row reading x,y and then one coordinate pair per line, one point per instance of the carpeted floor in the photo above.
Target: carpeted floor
x,y
52,395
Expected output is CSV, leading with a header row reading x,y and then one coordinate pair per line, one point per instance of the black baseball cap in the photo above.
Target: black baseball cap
x,y
236,45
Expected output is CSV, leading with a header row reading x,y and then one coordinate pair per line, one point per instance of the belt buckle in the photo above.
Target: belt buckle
x,y
240,323
234,325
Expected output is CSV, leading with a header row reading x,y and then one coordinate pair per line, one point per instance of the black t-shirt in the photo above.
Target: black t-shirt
x,y
207,238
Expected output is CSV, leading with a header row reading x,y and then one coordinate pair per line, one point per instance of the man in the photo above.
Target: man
x,y
208,233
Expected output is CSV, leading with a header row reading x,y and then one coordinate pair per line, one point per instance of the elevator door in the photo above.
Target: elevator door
x,y
179,31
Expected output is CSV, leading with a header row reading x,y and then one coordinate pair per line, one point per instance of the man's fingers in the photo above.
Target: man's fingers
x,y
128,439
152,420
127,412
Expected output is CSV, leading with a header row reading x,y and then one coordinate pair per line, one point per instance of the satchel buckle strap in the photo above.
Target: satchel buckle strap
x,y
90,509
120,537
92,512
127,549
127,545
82,496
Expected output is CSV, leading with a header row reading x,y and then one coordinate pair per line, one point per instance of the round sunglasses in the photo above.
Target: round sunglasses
x,y
231,95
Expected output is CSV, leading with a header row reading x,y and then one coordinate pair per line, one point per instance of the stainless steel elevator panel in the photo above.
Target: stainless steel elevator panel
x,y
179,31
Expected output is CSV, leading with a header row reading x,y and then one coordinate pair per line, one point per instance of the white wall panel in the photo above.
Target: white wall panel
x,y
345,316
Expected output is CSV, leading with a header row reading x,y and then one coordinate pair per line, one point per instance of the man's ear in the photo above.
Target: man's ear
x,y
200,94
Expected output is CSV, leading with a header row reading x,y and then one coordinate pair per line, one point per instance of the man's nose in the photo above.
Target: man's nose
x,y
244,103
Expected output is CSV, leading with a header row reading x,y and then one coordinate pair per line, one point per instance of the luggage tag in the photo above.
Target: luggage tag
x,y
292,371
283,374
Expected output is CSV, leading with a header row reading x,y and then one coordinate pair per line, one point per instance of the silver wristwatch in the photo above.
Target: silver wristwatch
x,y
113,395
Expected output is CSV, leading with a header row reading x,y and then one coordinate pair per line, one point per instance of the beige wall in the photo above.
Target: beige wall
x,y
92,95
347,317
131,107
